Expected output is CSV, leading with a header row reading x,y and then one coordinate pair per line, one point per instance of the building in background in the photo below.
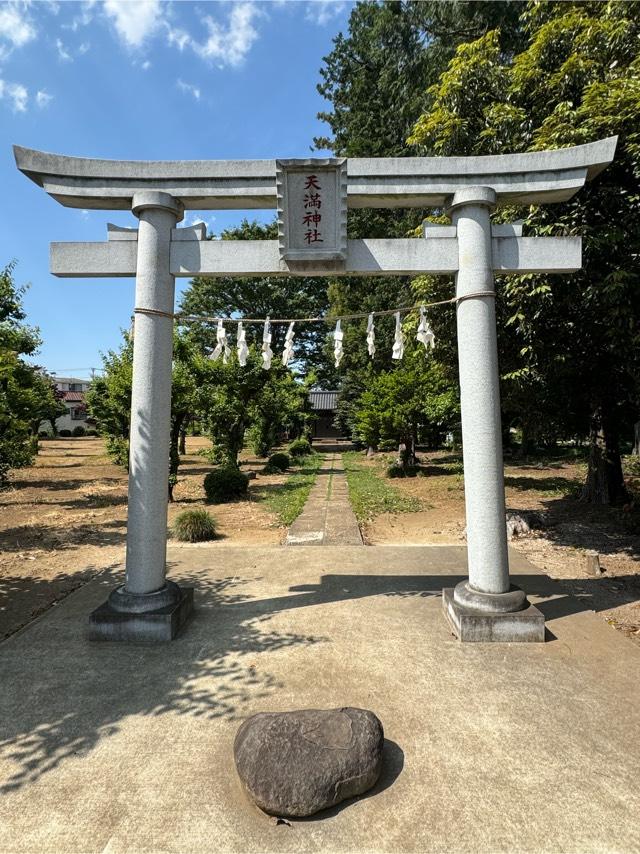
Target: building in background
x,y
324,407
73,392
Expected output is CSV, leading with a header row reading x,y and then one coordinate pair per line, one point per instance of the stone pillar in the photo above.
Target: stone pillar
x,y
148,607
488,592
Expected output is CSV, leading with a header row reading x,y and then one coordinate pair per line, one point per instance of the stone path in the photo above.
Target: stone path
x,y
327,518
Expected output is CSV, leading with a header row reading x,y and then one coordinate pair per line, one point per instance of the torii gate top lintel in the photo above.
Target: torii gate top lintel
x,y
528,178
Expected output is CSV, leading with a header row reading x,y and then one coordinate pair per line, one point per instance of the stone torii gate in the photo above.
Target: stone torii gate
x,y
487,606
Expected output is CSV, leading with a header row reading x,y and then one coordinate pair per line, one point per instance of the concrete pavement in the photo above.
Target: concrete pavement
x,y
124,748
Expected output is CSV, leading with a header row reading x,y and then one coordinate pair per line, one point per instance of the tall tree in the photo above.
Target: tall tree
x,y
572,345
26,393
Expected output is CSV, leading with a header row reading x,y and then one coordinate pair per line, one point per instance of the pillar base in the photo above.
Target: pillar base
x,y
471,625
155,616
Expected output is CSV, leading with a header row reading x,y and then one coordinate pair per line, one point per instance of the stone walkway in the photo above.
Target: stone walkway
x,y
327,518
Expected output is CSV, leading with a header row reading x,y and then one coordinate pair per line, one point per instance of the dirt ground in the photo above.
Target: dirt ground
x,y
66,517
563,528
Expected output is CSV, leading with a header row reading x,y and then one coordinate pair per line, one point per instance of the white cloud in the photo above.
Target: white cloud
x,y
84,18
179,38
146,65
15,26
84,214
322,11
16,93
63,53
84,47
229,44
43,98
188,87
194,219
134,21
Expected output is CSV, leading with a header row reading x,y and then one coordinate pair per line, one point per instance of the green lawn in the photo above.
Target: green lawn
x,y
371,493
288,499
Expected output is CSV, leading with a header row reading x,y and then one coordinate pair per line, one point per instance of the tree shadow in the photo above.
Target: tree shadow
x,y
62,694
21,538
564,485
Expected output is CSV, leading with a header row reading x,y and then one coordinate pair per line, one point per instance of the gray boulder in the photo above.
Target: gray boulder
x,y
297,763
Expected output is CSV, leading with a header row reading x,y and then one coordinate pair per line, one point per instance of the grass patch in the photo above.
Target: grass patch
x,y
288,499
370,493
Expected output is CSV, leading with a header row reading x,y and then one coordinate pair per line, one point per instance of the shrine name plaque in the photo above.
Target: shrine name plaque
x,y
312,209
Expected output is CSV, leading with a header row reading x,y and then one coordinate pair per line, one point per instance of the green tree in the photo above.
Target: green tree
x,y
569,347
26,393
109,400
413,402
230,399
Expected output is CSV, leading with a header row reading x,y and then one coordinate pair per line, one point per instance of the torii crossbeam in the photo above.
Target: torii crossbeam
x,y
487,607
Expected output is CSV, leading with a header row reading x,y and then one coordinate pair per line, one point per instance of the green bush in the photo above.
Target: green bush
x,y
278,462
394,470
299,448
118,450
79,431
225,484
194,526
64,433
43,434
92,432
388,445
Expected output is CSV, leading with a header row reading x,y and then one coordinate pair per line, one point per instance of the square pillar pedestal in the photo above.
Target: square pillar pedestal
x,y
476,624
152,617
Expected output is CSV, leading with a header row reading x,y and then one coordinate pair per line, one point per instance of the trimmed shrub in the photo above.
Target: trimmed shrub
x,y
388,445
395,470
277,462
194,526
43,434
225,484
64,433
299,448
79,431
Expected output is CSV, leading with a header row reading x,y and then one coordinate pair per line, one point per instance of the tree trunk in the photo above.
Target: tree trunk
x,y
174,456
183,440
605,481
636,439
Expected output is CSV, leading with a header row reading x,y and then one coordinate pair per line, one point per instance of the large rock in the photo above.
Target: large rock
x,y
297,763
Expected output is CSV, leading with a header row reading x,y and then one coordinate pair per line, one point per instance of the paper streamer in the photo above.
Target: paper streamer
x,y
287,353
371,336
425,332
222,346
243,350
398,341
267,352
338,335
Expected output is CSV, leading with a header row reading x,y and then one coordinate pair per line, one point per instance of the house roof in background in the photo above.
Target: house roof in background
x,y
323,399
73,396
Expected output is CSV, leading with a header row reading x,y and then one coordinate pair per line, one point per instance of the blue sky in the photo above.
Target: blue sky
x,y
142,79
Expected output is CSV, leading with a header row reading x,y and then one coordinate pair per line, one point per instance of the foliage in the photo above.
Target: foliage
x,y
278,462
109,400
225,484
64,433
412,403
78,430
290,497
27,395
194,526
569,350
299,448
370,494
230,399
